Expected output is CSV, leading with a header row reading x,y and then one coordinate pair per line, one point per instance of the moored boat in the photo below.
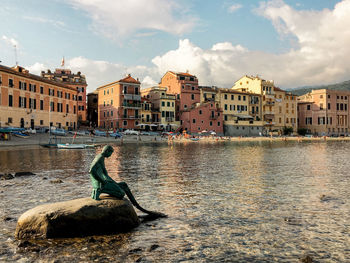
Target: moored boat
x,y
70,146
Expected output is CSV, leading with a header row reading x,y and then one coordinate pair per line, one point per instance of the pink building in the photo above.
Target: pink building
x,y
193,116
324,112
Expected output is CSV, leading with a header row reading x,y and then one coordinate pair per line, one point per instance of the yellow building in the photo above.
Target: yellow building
x,y
163,107
31,101
146,114
279,108
285,110
241,110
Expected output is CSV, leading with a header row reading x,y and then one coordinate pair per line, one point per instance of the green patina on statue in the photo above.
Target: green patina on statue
x,y
103,183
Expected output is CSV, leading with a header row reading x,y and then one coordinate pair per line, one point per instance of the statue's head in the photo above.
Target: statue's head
x,y
107,151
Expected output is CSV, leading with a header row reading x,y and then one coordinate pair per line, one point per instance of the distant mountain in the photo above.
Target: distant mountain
x,y
339,86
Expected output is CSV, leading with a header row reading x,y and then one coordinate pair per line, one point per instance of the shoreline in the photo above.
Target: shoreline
x,y
37,139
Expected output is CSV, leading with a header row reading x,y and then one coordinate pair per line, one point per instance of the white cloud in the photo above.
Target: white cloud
x,y
234,8
36,68
43,20
148,82
321,56
10,41
99,72
121,18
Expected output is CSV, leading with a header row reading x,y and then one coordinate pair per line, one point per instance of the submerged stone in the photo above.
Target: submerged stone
x,y
77,218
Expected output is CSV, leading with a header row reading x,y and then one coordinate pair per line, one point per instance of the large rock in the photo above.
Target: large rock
x,y
76,218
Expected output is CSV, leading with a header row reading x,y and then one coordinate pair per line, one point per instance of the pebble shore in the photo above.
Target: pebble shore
x,y
37,139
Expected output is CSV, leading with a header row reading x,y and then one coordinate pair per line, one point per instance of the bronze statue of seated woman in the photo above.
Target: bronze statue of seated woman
x,y
103,183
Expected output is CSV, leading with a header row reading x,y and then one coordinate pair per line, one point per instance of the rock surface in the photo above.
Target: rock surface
x,y
77,218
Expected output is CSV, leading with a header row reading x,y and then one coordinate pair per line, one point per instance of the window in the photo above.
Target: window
x,y
329,106
191,79
193,120
243,98
225,106
225,117
125,123
10,101
192,88
104,92
41,90
67,108
321,106
11,83
239,97
136,90
308,107
111,113
200,112
74,109
192,96
125,91
232,97
218,123
321,96
185,106
9,120
80,98
182,78
163,103
168,104
225,96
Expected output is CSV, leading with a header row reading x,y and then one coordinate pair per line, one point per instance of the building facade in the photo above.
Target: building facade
x,y
189,110
119,104
75,81
92,108
241,110
273,100
31,101
324,112
163,105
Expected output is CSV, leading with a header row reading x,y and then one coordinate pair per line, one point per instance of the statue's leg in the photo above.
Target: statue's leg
x,y
126,189
113,189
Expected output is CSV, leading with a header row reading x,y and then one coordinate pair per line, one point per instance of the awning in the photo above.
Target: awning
x,y
173,124
153,125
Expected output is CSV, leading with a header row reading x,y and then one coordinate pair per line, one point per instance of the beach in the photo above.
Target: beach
x,y
38,139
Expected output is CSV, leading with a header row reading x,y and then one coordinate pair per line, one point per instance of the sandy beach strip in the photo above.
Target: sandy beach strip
x,y
38,139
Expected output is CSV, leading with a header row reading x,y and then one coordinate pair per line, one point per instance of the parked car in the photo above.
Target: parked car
x,y
58,131
115,134
130,132
99,133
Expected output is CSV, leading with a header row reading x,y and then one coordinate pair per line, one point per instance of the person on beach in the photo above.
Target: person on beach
x,y
103,183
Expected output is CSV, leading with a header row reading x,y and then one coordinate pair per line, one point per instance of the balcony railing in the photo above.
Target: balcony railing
x,y
270,103
269,113
132,97
131,117
131,105
269,96
169,119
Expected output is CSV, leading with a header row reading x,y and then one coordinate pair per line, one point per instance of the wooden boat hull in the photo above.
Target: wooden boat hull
x,y
70,146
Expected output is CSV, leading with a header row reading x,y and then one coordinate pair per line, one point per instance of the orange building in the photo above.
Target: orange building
x,y
119,104
75,81
28,100
193,115
324,112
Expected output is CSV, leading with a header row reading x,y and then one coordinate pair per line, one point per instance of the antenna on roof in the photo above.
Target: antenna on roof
x,y
15,47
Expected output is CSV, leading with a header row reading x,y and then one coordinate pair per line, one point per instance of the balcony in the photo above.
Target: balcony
x,y
131,117
269,123
132,97
269,113
270,103
169,119
269,96
131,105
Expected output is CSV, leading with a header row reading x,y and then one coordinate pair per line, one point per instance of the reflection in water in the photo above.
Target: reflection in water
x,y
226,202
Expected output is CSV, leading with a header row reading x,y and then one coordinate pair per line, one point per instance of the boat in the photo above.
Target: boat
x,y
20,134
194,139
70,146
99,133
51,144
59,132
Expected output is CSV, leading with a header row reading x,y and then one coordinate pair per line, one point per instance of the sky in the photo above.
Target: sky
x,y
295,43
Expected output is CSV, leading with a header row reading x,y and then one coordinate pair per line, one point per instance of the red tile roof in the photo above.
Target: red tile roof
x,y
129,79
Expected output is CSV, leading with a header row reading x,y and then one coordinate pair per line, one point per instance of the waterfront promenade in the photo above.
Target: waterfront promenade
x,y
37,139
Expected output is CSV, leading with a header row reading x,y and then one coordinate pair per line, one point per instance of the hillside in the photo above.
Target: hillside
x,y
339,86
